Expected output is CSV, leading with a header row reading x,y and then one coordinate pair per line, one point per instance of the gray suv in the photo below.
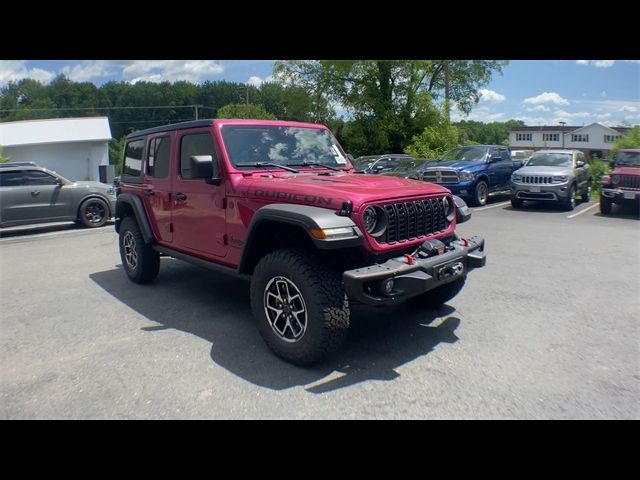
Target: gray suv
x,y
32,194
552,175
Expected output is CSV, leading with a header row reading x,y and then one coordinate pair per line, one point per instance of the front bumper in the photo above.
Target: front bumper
x,y
618,195
525,191
461,189
422,275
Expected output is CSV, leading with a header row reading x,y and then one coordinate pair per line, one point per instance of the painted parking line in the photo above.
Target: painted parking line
x,y
582,211
501,204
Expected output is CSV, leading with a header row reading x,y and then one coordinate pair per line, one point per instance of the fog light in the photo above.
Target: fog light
x,y
387,286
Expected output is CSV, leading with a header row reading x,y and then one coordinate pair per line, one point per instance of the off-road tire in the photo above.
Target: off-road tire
x,y
479,199
517,203
327,307
439,296
569,203
97,204
585,194
147,263
605,205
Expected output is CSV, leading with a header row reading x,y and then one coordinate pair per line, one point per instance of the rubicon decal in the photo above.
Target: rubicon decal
x,y
294,197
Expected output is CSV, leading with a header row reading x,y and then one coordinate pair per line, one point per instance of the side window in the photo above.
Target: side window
x,y
12,179
194,144
133,158
159,157
504,153
580,157
36,177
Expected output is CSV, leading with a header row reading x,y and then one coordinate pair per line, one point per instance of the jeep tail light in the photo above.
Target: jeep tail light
x,y
605,180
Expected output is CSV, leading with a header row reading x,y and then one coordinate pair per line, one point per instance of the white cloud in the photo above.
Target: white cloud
x,y
597,63
15,70
170,70
538,108
491,96
628,108
257,81
479,114
546,97
89,70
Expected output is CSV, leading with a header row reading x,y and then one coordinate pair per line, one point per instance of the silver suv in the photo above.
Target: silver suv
x,y
32,194
552,175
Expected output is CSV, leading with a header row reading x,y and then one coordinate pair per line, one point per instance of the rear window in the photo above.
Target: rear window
x,y
159,156
133,158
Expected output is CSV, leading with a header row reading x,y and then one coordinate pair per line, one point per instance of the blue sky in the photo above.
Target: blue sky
x,y
538,92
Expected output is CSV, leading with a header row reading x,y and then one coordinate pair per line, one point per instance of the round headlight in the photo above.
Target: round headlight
x,y
375,221
370,218
449,211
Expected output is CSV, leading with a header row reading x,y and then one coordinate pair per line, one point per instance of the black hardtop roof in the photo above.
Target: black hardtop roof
x,y
174,126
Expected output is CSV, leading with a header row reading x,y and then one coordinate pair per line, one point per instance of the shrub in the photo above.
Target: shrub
x,y
597,168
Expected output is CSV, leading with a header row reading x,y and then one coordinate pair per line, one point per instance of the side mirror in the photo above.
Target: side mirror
x,y
463,212
495,159
59,182
579,164
203,166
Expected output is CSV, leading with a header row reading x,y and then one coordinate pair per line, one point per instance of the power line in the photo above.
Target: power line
x,y
27,109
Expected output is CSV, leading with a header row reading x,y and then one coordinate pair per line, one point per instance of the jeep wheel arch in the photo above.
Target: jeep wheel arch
x,y
128,204
297,221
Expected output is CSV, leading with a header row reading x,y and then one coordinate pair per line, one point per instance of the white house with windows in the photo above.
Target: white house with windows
x,y
73,147
594,139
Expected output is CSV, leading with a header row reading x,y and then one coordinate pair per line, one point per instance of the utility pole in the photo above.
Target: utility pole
x,y
196,111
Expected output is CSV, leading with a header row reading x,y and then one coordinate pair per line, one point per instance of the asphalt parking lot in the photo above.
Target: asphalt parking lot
x,y
549,329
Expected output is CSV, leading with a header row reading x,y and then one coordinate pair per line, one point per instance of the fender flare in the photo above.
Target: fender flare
x,y
305,217
138,210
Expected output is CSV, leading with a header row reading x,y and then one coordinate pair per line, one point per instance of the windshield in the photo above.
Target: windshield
x,y
628,158
407,166
361,163
466,154
250,144
550,160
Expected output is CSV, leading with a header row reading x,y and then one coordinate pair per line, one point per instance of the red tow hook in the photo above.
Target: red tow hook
x,y
466,242
410,259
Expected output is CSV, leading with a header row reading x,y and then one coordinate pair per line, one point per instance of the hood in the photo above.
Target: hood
x,y
455,164
626,170
545,171
331,191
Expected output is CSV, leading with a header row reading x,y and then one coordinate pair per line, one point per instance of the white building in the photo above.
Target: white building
x,y
73,147
595,139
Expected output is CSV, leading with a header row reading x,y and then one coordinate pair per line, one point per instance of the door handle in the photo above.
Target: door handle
x,y
180,197
35,193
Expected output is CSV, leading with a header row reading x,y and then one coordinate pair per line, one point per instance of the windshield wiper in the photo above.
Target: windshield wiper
x,y
314,164
266,164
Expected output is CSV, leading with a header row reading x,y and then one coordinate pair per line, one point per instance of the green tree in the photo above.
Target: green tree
x,y
630,140
116,153
3,159
434,140
244,110
390,100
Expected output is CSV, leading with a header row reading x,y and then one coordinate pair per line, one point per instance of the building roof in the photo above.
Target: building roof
x,y
566,128
55,130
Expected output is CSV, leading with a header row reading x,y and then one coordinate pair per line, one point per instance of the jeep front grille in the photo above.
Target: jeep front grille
x,y
537,179
440,176
629,181
411,220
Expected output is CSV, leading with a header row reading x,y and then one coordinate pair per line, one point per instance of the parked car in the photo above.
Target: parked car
x,y
32,194
375,164
406,168
552,176
623,185
280,203
472,172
